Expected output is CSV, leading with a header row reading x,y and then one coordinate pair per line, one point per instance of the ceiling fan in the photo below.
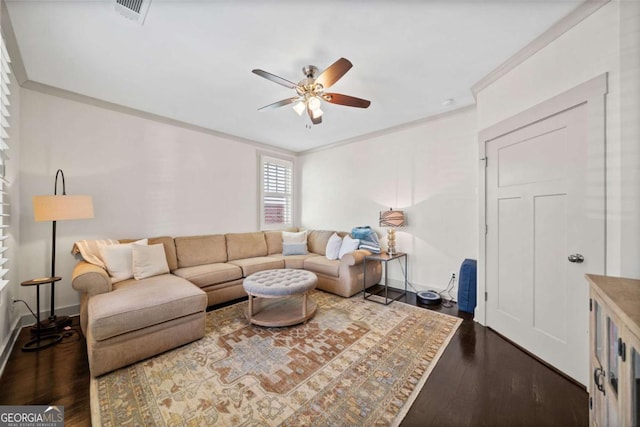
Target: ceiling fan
x,y
311,90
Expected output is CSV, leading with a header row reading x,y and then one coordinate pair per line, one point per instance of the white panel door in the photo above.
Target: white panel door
x,y
539,212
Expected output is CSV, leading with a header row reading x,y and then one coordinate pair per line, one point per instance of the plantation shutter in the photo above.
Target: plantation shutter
x,y
276,193
4,146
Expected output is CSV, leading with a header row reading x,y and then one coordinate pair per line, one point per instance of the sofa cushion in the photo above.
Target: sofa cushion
x,y
199,250
134,305
293,261
252,265
246,245
209,274
317,241
274,242
321,264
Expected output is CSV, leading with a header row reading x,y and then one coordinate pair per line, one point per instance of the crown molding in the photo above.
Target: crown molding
x,y
73,96
389,130
576,16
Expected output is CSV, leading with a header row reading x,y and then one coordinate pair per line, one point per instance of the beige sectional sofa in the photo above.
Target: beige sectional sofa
x,y
131,320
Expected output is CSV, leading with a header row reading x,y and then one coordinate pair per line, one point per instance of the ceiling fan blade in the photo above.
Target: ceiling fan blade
x,y
334,72
275,79
280,103
350,101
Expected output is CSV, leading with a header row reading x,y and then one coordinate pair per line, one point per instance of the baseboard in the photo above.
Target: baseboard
x,y
417,287
8,348
28,319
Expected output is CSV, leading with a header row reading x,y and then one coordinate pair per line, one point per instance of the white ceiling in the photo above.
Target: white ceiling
x,y
192,60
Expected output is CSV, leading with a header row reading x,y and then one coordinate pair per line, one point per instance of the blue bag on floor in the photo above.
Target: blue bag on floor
x,y
467,287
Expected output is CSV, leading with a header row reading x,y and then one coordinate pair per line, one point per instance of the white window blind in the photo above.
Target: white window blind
x,y
5,93
277,193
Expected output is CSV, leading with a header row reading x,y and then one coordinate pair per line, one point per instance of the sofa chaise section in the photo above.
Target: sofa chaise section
x,y
131,320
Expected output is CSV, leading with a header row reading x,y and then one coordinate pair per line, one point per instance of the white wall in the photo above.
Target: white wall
x,y
607,41
428,169
630,138
147,179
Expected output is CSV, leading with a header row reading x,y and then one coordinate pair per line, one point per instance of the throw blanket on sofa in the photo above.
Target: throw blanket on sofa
x,y
368,239
89,250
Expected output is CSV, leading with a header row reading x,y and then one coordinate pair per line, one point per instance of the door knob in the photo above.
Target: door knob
x,y
576,258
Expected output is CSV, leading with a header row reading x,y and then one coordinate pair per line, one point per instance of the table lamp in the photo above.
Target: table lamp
x,y
391,219
57,208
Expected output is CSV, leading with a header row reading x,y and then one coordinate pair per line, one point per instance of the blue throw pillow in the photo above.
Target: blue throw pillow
x,y
294,249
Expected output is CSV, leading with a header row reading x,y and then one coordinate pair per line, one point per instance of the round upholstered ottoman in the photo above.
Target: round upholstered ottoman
x,y
279,297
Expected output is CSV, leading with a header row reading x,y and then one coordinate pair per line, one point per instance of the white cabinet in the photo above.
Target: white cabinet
x,y
614,343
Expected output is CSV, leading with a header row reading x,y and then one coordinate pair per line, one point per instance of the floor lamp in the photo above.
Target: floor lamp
x,y
57,208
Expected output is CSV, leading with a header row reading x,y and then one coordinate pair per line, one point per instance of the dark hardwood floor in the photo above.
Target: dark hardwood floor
x,y
484,380
57,375
480,380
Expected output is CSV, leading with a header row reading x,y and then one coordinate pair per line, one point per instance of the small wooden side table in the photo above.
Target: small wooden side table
x,y
40,342
385,258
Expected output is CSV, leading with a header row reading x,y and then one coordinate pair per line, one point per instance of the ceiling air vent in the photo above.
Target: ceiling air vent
x,y
135,10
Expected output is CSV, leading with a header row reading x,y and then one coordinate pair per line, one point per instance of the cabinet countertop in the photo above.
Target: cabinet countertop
x,y
623,293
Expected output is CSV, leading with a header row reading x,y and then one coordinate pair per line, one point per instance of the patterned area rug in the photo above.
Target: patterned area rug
x,y
354,363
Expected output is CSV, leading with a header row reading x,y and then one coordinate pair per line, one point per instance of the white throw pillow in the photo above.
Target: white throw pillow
x,y
348,245
333,246
119,259
148,261
299,237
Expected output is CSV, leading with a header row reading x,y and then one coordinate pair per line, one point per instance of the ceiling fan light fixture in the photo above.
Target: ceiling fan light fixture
x,y
314,103
299,108
316,113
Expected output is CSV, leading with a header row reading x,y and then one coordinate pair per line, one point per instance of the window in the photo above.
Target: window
x,y
4,136
276,196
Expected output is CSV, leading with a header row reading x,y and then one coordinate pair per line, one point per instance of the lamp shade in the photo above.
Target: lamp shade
x,y
392,218
57,208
